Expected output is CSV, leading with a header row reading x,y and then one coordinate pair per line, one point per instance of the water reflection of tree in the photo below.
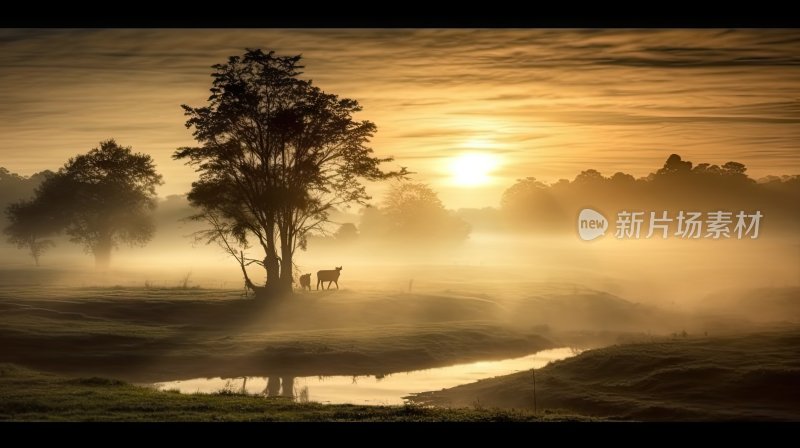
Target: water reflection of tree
x,y
302,395
280,387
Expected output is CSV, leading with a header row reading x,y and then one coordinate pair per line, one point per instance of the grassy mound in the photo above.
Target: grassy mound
x,y
737,377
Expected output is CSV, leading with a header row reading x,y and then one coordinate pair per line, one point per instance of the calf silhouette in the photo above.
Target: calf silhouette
x,y
305,282
329,276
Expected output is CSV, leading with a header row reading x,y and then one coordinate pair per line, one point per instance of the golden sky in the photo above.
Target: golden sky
x,y
543,103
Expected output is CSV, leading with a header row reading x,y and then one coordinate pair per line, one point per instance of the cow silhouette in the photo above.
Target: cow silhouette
x,y
305,282
330,276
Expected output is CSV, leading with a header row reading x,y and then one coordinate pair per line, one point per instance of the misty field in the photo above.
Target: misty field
x,y
662,364
145,335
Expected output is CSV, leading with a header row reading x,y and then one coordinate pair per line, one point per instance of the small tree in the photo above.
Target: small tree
x,y
346,232
100,199
276,154
531,204
15,188
413,212
29,222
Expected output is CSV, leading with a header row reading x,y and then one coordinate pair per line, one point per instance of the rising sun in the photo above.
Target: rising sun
x,y
472,169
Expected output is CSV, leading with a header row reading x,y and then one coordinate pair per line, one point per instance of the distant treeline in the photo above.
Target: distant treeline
x,y
412,212
535,206
678,185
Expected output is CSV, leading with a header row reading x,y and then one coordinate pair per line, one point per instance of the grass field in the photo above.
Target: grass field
x,y
142,335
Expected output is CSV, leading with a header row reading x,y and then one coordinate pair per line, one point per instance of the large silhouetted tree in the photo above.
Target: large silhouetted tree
x,y
276,154
100,199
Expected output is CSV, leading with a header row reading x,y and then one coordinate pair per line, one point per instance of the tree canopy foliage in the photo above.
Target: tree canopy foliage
x,y
276,155
99,199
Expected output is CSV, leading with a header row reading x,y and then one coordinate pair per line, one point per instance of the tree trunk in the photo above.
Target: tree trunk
x,y
102,259
275,286
272,265
278,270
34,250
102,253
286,270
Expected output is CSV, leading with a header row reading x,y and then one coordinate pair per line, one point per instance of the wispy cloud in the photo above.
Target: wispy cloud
x,y
557,101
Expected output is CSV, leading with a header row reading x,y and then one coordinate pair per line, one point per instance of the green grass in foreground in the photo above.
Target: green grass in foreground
x,y
27,395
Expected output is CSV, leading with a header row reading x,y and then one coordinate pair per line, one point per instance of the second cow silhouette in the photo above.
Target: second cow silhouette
x,y
330,276
305,282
